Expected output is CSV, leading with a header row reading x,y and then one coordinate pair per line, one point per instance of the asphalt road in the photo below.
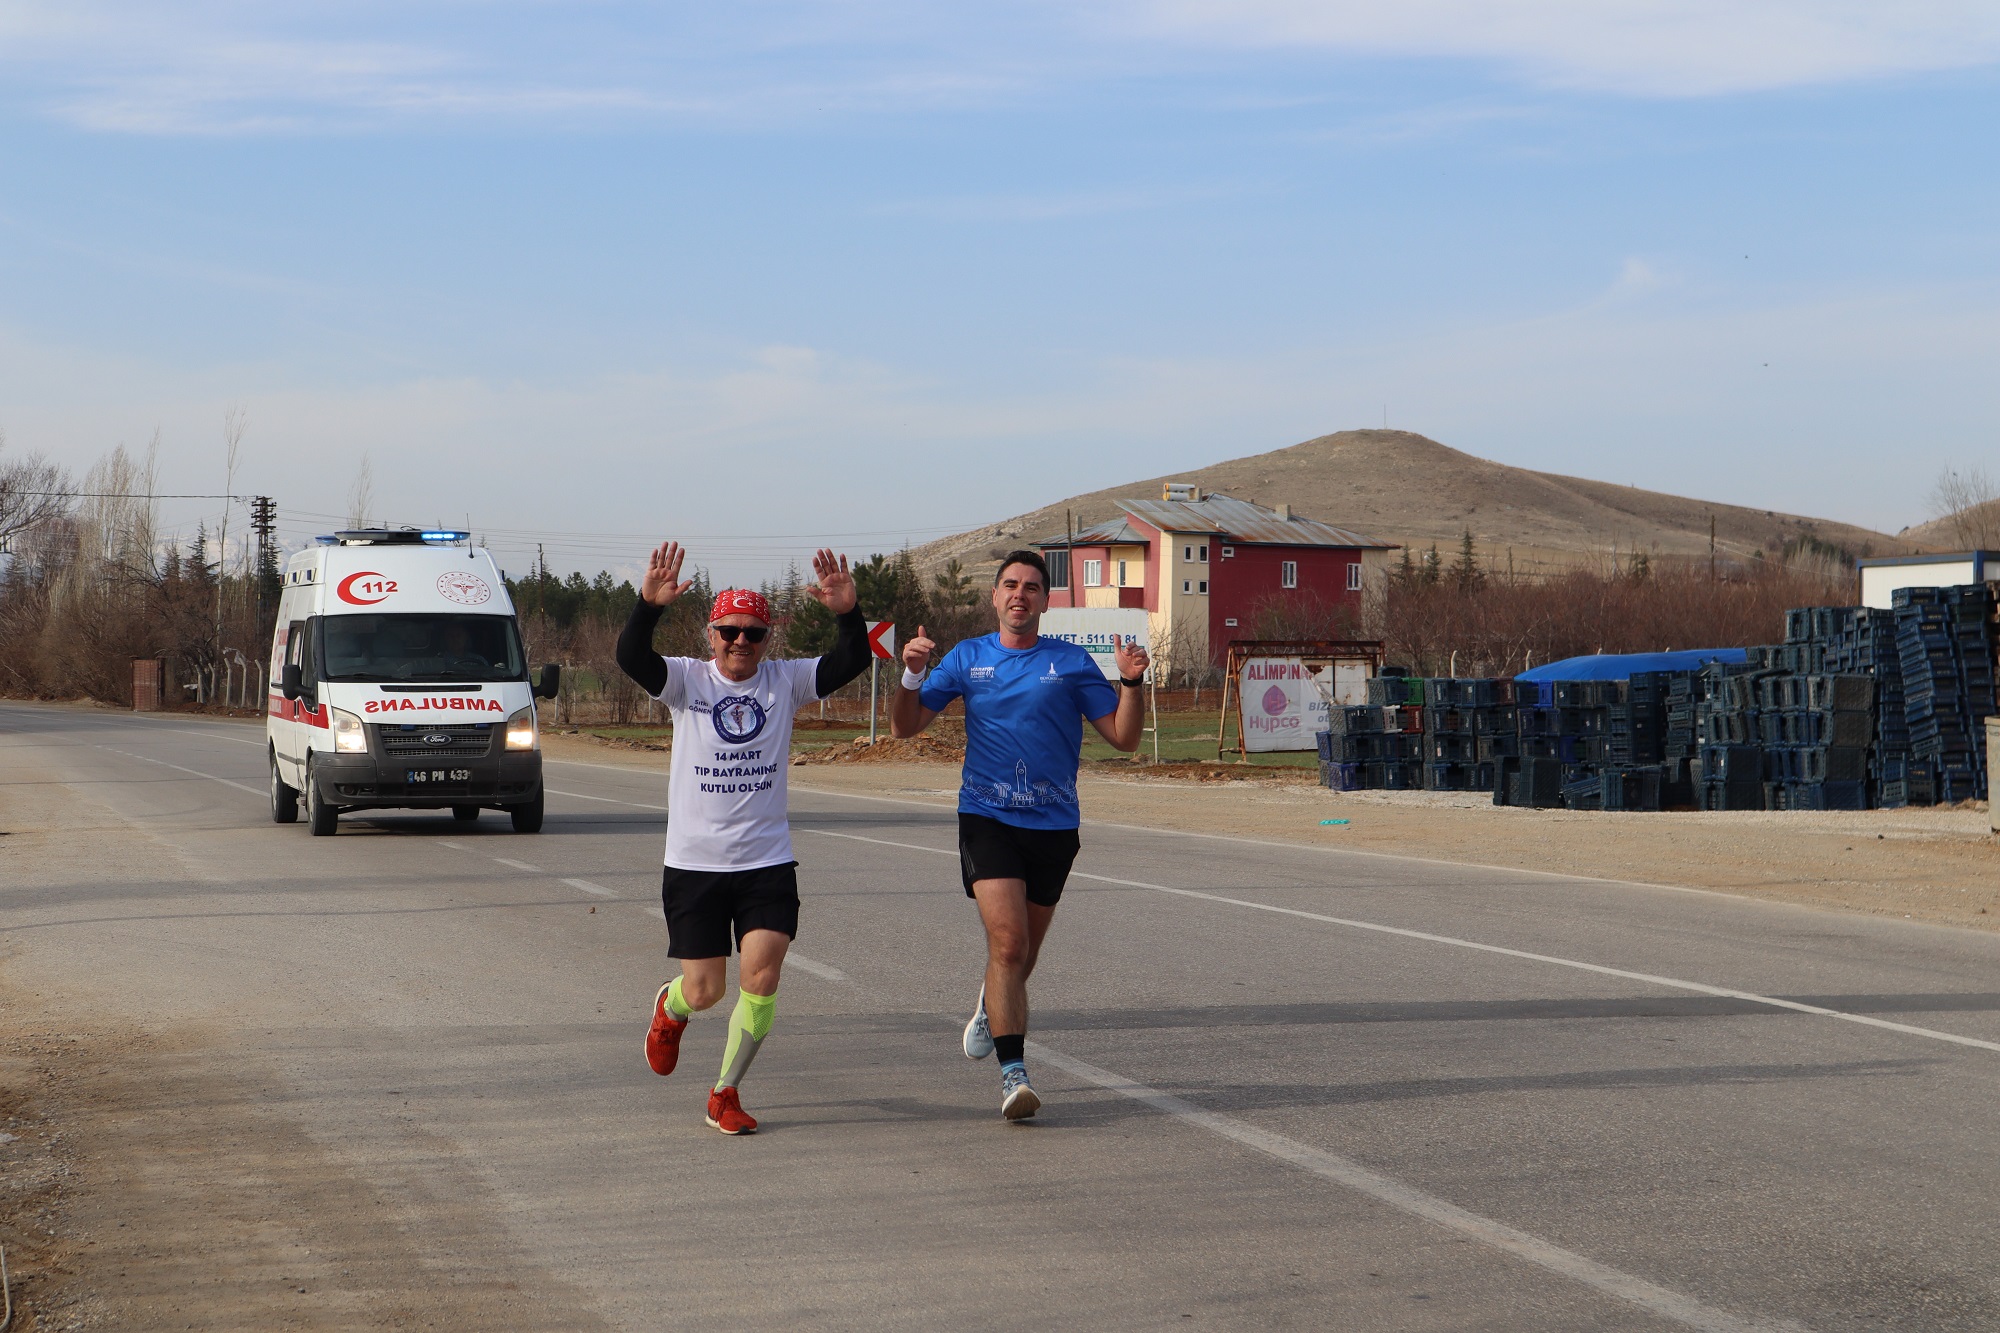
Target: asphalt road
x,y
1284,1086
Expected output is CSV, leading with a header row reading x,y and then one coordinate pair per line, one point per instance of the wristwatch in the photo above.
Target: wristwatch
x,y
1134,683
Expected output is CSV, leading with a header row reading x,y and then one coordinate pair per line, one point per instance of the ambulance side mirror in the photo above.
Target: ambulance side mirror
x,y
548,680
290,683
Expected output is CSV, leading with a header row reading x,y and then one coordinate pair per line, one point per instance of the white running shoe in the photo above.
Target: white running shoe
x,y
978,1037
1017,1100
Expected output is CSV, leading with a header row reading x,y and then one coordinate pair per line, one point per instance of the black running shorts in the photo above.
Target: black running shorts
x,y
704,906
989,849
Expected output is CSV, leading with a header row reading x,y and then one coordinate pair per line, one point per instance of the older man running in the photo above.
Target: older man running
x,y
729,864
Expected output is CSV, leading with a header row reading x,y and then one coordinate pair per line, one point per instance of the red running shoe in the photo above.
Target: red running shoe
x,y
663,1039
727,1114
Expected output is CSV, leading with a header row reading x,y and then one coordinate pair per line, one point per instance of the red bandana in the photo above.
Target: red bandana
x,y
740,602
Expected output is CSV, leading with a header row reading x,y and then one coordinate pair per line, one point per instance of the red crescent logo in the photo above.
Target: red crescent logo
x,y
346,592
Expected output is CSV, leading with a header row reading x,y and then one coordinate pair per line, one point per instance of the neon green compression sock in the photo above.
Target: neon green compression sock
x,y
749,1024
676,1006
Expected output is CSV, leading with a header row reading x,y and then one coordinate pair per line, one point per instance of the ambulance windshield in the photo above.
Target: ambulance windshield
x,y
421,647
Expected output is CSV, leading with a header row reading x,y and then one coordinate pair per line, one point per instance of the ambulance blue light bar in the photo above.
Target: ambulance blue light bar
x,y
445,535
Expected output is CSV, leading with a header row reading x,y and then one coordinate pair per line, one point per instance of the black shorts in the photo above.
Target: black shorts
x,y
989,849
703,906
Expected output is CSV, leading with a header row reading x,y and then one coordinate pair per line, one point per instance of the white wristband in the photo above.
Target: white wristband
x,y
911,680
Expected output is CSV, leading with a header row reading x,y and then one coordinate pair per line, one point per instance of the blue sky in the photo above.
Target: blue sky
x,y
592,270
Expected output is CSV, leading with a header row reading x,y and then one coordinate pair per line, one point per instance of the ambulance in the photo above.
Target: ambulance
x,y
399,680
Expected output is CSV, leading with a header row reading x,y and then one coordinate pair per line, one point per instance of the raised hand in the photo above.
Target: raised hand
x,y
835,589
917,652
663,575
1132,659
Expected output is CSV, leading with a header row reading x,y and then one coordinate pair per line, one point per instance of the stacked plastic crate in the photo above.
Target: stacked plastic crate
x,y
1377,746
1534,776
1944,639
1469,729
1730,765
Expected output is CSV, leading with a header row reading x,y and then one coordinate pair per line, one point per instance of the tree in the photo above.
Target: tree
x,y
32,492
1431,571
1466,575
954,586
1966,499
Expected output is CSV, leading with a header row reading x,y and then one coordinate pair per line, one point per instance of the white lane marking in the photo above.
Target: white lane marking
x,y
162,724
1352,851
588,887
519,865
1674,983
820,970
609,768
254,791
1648,1296
606,799
455,846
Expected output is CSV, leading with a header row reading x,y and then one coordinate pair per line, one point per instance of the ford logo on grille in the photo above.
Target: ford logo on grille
x,y
437,738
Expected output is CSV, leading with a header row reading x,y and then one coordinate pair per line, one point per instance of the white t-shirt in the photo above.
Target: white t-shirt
x,y
726,777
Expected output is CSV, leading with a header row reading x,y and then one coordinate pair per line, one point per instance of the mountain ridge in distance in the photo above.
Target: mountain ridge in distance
x,y
1398,486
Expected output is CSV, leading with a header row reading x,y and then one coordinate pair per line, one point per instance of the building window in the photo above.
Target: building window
x,y
1231,622
1093,573
1288,574
1354,577
1187,555
1228,551
1121,573
1202,553
1202,587
1058,568
1187,585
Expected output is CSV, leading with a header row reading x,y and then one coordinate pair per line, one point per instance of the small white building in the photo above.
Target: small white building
x,y
1881,577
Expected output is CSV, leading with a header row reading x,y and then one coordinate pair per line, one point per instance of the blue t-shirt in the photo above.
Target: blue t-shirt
x,y
1023,728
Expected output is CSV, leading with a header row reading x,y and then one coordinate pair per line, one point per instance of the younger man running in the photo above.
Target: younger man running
x,y
729,846
1017,812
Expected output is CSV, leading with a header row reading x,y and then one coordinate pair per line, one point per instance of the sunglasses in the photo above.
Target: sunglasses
x,y
750,633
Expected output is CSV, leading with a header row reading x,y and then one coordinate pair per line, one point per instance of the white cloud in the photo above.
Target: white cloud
x,y
1646,47
233,67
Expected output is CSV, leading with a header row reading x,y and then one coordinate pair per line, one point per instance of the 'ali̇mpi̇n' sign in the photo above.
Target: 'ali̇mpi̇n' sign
x,y
1284,699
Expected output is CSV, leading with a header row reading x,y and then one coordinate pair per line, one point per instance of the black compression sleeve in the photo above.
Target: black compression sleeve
x,y
849,657
635,648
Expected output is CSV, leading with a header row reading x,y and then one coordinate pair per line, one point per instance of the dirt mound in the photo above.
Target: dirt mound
x,y
888,750
1205,770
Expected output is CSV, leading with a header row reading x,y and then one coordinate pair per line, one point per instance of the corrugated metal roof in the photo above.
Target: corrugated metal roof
x,y
1242,521
1222,516
1111,532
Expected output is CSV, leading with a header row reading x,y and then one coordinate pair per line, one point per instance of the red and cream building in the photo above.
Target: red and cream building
x,y
1202,565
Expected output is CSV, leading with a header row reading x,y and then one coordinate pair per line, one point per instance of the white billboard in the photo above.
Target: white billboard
x,y
1284,700
1098,630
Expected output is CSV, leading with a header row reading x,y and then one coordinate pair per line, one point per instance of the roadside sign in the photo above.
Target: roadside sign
x,y
882,639
1098,631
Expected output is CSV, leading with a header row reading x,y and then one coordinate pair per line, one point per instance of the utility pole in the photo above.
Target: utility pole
x,y
264,523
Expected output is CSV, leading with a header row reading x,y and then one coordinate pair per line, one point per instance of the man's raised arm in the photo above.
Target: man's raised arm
x,y
660,586
907,714
835,591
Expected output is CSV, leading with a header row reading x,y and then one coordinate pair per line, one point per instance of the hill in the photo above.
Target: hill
x,y
1396,486
1978,526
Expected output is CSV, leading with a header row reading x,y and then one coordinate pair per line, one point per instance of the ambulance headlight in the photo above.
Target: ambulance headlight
x,y
521,730
349,737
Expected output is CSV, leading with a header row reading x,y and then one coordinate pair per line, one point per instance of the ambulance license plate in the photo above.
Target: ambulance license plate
x,y
414,776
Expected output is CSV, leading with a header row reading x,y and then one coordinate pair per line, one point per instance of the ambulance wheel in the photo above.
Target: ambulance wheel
x,y
284,800
465,814
527,818
323,819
